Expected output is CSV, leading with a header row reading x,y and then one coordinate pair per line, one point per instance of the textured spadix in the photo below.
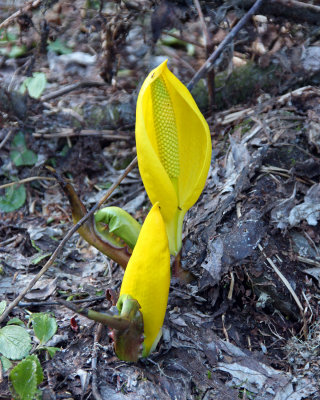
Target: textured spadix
x,y
173,148
147,276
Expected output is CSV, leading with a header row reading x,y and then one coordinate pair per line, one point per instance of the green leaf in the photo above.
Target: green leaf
x,y
17,51
19,153
51,350
14,198
44,327
36,84
114,224
23,87
15,342
28,157
3,305
19,141
6,36
59,47
24,379
6,364
39,371
39,257
15,321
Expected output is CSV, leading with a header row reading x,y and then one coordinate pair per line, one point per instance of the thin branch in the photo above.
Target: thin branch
x,y
55,303
65,239
208,47
94,361
30,179
204,27
216,54
6,138
29,6
70,88
299,4
105,133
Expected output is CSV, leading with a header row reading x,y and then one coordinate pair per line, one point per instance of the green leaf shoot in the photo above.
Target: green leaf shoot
x,y
17,51
44,327
35,85
19,153
113,223
59,47
51,350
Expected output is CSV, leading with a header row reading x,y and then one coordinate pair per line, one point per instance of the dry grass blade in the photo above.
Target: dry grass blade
x,y
30,179
283,278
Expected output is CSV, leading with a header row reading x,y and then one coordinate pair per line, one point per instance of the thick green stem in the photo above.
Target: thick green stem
x,y
174,231
112,321
127,328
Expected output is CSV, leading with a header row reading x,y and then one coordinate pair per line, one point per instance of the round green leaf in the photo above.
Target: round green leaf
x,y
17,51
14,198
26,157
44,327
15,342
24,379
36,84
19,154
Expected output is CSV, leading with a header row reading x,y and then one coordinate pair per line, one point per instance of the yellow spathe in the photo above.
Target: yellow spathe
x,y
173,148
147,276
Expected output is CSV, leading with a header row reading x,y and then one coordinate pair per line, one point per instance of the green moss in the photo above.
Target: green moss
x,y
200,94
244,126
243,84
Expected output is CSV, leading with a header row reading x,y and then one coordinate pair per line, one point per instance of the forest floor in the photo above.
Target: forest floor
x,y
245,324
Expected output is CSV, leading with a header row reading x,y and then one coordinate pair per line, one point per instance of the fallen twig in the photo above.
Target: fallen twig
x,y
97,336
70,88
55,303
30,179
299,4
231,35
6,138
106,133
208,47
29,6
283,278
65,239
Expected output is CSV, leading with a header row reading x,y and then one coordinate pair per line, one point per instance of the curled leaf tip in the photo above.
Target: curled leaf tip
x,y
115,225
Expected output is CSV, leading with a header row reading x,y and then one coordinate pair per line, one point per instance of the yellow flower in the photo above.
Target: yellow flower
x,y
173,148
147,276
